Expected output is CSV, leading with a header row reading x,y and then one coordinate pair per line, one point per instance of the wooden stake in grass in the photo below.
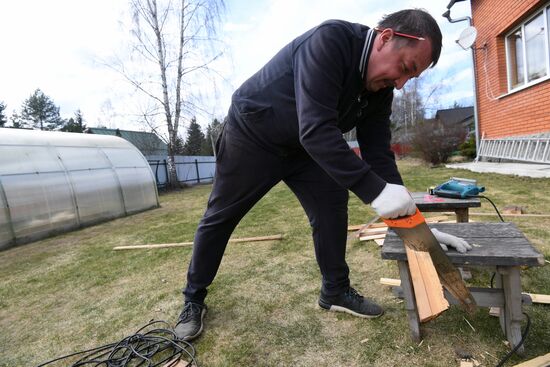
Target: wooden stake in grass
x,y
185,244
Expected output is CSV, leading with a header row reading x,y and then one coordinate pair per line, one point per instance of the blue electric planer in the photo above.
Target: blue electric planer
x,y
459,188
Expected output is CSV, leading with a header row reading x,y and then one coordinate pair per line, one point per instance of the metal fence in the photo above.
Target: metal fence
x,y
190,170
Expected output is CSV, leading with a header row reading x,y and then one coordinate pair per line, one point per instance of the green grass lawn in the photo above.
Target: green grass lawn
x,y
72,292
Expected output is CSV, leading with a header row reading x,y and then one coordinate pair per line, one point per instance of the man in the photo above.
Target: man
x,y
286,123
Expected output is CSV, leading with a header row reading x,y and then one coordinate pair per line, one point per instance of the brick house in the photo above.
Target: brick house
x,y
512,69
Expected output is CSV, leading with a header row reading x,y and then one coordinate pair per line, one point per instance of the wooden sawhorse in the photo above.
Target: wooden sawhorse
x,y
430,203
497,245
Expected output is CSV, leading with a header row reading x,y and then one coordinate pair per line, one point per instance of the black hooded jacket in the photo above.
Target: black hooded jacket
x,y
310,93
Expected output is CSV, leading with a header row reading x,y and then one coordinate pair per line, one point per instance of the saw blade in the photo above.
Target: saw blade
x,y
416,234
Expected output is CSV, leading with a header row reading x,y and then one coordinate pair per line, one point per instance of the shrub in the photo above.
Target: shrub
x,y
468,148
434,142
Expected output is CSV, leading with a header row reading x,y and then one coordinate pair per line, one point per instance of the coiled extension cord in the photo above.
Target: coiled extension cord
x,y
150,346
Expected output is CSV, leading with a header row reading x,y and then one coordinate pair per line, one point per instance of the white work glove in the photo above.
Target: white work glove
x,y
394,201
448,240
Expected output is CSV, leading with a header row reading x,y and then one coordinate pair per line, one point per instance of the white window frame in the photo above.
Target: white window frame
x,y
526,83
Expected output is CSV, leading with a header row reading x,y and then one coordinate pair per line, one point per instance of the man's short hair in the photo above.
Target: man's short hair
x,y
416,22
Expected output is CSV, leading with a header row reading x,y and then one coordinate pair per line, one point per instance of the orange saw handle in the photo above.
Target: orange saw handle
x,y
410,221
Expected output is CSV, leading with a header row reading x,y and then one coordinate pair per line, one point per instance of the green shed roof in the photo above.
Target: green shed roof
x,y
147,143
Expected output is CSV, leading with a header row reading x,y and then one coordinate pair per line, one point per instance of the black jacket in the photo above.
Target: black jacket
x,y
310,93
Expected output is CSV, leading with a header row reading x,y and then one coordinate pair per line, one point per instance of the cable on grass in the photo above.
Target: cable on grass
x,y
493,204
150,346
523,336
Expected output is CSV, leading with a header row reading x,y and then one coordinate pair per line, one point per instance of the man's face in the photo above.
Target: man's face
x,y
392,63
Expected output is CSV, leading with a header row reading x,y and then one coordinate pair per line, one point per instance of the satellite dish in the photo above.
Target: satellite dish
x,y
467,38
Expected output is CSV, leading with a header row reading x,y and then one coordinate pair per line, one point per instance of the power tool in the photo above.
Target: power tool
x,y
459,188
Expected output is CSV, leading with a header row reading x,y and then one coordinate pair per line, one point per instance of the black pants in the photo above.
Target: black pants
x,y
244,174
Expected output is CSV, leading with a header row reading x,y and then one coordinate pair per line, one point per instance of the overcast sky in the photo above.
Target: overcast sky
x,y
58,46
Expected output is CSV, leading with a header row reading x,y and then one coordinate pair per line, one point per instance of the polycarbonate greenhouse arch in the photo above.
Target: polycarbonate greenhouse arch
x,y
52,182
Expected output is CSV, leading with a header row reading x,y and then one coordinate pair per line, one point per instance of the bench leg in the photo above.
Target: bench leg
x,y
462,215
511,314
410,303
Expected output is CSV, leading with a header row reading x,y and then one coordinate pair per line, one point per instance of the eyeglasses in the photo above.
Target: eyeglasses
x,y
401,34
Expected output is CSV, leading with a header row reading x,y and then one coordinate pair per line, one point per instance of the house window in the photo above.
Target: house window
x,y
515,58
527,50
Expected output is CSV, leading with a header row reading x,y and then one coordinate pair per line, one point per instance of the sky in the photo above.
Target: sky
x,y
63,47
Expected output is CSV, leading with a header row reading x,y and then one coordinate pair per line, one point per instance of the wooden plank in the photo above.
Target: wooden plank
x,y
542,361
437,300
416,234
184,244
356,227
494,311
379,241
439,218
372,237
420,292
390,281
357,233
428,291
494,244
426,202
484,297
466,363
377,225
539,298
375,230
481,229
510,215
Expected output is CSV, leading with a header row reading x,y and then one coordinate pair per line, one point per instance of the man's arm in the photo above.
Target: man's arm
x,y
320,64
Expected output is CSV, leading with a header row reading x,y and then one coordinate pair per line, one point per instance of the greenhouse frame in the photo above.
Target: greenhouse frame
x,y
52,182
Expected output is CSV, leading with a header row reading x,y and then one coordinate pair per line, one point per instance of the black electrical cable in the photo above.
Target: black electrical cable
x,y
523,336
493,204
526,331
151,348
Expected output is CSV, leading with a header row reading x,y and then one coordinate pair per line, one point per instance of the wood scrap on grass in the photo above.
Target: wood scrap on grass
x,y
542,361
185,244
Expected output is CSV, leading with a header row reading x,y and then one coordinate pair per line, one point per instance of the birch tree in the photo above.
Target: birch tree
x,y
177,39
412,103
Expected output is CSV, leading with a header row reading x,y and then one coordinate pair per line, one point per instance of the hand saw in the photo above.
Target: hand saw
x,y
416,234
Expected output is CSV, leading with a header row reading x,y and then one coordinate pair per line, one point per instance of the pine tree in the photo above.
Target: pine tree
x,y
3,117
179,146
212,132
16,121
41,112
195,138
74,125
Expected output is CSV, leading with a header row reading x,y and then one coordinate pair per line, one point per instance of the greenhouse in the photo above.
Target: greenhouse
x,y
52,182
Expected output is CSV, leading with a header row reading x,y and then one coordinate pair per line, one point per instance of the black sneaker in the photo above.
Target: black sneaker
x,y
190,323
352,303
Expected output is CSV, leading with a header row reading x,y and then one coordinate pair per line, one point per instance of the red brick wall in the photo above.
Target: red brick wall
x,y
519,113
